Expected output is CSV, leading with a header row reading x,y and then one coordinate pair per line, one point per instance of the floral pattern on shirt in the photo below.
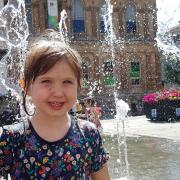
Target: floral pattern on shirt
x,y
25,155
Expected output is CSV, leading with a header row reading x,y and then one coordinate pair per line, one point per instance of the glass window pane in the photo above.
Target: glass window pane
x,y
78,16
135,70
78,26
130,18
108,74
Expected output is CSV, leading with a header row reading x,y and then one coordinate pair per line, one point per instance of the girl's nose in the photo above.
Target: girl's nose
x,y
58,91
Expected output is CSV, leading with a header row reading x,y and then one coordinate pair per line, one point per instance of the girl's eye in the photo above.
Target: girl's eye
x,y
67,82
45,81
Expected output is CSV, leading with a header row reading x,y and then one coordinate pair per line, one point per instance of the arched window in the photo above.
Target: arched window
x,y
135,72
102,14
85,74
130,18
78,16
108,73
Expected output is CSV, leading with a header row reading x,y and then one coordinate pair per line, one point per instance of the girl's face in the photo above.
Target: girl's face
x,y
55,92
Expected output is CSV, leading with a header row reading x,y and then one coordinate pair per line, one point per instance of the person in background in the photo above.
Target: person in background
x,y
93,113
81,110
78,107
52,144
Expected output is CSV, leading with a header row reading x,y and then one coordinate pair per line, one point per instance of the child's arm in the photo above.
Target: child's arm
x,y
102,174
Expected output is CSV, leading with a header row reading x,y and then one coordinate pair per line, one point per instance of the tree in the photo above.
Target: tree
x,y
172,68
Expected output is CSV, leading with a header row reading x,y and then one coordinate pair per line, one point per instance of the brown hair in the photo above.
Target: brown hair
x,y
42,56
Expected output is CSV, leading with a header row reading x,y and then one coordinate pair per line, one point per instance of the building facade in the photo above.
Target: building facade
x,y
131,70
174,33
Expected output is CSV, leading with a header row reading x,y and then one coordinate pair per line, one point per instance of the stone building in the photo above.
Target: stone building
x,y
130,66
174,33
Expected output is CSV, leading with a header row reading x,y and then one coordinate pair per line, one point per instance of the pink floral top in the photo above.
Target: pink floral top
x,y
25,155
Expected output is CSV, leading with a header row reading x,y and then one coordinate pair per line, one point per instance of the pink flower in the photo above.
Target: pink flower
x,y
150,98
171,94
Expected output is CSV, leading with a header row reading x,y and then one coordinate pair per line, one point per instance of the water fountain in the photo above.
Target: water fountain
x,y
122,108
62,26
13,35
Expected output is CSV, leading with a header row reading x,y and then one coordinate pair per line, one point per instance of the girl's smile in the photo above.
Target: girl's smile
x,y
56,105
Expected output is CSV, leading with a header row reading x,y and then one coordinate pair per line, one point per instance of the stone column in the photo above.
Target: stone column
x,y
151,24
94,21
116,22
144,71
36,16
142,23
87,21
121,23
43,15
151,71
125,71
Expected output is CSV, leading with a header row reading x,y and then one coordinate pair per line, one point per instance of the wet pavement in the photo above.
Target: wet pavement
x,y
153,149
141,126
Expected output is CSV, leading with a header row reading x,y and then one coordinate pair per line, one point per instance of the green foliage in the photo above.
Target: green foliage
x,y
109,80
172,69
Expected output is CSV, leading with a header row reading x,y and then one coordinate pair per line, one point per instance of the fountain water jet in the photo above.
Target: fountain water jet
x,y
122,108
13,35
62,26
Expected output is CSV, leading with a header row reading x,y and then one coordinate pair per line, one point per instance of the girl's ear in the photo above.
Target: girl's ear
x,y
29,91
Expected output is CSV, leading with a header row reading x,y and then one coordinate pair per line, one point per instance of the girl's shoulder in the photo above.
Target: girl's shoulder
x,y
14,130
86,125
88,128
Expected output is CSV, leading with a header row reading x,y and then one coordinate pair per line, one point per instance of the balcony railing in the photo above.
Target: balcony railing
x,y
101,37
82,37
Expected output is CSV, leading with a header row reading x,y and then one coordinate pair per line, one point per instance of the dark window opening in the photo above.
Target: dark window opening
x,y
78,26
108,74
131,27
135,81
102,27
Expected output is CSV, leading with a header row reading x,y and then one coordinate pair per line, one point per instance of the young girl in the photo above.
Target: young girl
x,y
52,144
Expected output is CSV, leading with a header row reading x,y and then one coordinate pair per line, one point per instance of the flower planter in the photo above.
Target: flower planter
x,y
162,105
163,110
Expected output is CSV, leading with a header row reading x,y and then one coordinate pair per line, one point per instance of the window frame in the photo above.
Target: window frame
x,y
108,71
135,80
78,24
130,18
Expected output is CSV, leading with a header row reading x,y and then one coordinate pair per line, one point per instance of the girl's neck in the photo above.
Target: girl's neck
x,y
50,121
51,129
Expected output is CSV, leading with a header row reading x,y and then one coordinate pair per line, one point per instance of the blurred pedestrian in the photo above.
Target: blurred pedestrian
x,y
93,113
